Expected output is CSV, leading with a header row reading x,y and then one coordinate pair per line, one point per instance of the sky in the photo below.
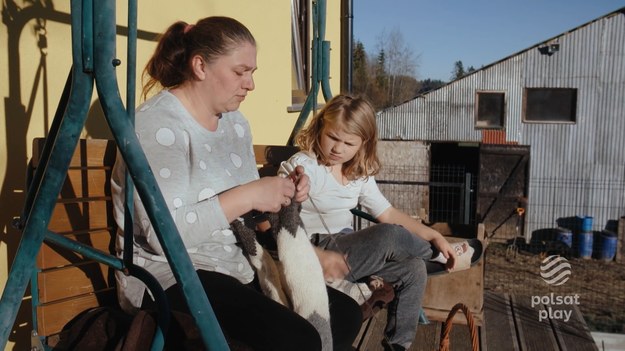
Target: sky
x,y
476,32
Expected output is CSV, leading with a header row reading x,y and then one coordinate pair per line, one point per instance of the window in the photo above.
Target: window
x,y
490,110
550,105
300,48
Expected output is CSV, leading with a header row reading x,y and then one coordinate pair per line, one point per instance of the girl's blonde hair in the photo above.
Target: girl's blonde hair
x,y
352,115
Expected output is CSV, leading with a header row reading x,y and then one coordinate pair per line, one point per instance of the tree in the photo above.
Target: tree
x,y
407,87
429,85
360,68
380,70
401,66
391,71
365,71
458,71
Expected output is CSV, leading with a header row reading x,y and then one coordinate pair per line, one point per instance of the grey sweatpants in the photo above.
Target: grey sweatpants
x,y
393,253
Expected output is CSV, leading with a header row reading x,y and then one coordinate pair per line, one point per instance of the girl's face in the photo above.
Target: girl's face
x,y
230,78
338,146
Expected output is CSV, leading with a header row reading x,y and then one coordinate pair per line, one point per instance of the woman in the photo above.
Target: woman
x,y
199,147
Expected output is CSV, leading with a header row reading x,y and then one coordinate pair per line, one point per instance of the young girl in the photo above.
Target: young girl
x,y
340,158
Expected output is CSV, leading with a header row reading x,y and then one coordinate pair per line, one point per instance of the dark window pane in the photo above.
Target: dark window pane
x,y
490,110
550,104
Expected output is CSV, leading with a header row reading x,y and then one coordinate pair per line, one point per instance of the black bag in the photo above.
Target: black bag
x,y
109,328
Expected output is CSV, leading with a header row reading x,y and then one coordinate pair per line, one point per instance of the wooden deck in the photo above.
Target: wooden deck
x,y
510,323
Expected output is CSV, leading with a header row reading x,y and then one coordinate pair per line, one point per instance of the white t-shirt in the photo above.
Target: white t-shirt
x,y
332,201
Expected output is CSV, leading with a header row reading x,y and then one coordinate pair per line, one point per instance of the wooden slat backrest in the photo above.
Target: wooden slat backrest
x,y
268,157
273,154
68,282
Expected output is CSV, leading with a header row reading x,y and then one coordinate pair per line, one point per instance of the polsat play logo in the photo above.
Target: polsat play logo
x,y
555,270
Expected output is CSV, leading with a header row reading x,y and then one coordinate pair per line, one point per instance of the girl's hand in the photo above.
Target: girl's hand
x,y
299,177
302,184
333,264
445,248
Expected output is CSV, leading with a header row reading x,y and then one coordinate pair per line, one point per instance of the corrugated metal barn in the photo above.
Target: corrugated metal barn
x,y
545,129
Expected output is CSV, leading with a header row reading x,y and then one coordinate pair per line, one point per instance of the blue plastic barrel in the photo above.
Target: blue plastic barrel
x,y
565,235
585,244
586,224
608,246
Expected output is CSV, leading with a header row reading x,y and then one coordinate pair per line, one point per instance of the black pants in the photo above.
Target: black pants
x,y
245,314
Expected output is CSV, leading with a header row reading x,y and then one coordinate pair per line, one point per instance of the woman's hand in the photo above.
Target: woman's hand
x,y
333,264
269,194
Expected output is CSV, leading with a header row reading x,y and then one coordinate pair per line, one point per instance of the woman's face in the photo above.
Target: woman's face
x,y
229,78
338,146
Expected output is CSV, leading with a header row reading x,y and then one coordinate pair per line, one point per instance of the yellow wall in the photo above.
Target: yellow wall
x,y
30,97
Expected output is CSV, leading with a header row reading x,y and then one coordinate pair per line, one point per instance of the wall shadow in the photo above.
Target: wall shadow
x,y
30,19
96,126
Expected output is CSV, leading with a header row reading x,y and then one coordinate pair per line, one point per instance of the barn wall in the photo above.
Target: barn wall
x,y
405,161
576,169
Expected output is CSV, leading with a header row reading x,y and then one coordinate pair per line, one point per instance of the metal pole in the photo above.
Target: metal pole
x,y
347,45
467,198
320,67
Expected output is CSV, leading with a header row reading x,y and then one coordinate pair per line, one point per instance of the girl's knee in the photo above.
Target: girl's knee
x,y
391,233
399,233
397,236
394,229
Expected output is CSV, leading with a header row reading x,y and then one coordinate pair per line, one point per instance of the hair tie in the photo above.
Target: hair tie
x,y
187,28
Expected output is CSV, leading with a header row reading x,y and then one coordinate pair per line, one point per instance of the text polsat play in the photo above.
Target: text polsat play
x,y
552,305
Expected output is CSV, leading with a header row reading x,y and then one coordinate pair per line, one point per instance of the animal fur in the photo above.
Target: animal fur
x,y
296,280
